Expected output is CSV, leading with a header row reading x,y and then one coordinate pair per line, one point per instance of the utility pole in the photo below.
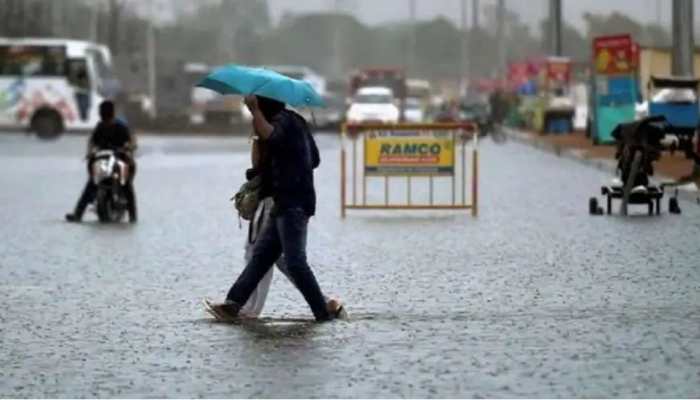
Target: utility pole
x,y
114,15
683,43
94,21
20,21
151,51
464,70
411,62
500,34
55,20
555,43
336,62
473,32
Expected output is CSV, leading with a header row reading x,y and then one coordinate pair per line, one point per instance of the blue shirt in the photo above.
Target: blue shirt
x,y
293,155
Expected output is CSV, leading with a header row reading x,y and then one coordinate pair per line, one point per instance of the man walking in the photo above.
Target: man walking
x,y
288,178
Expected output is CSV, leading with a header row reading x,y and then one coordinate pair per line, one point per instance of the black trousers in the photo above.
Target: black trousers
x,y
284,235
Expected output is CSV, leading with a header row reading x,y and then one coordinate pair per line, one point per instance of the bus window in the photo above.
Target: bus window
x,y
77,74
42,61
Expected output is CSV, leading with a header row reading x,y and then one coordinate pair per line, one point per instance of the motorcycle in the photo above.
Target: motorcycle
x,y
110,174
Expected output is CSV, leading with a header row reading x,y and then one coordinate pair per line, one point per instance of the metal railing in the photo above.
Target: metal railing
x,y
448,139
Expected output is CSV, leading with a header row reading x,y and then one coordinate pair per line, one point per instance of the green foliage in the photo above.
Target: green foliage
x,y
616,23
438,48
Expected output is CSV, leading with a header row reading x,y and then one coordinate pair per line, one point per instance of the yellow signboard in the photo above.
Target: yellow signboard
x,y
409,153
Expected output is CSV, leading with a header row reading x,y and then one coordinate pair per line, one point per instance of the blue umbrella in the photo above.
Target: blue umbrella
x,y
240,80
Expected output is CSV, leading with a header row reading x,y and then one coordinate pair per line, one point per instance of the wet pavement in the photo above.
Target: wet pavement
x,y
534,298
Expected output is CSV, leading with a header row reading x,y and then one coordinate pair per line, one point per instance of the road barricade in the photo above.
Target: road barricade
x,y
420,156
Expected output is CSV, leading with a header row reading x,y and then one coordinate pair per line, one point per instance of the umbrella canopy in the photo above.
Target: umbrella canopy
x,y
240,80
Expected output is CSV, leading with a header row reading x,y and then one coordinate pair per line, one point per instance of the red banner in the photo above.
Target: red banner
x,y
614,55
518,73
521,72
558,70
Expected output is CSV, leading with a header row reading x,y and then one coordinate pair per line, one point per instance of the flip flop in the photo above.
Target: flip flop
x,y
340,313
208,306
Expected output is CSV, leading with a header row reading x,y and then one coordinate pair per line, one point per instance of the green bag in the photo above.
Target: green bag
x,y
247,199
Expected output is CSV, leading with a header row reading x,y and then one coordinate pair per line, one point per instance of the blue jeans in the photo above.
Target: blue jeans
x,y
285,236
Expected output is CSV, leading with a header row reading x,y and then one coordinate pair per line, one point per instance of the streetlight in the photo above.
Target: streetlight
x,y
151,59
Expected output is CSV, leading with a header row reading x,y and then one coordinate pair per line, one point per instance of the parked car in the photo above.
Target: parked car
x,y
373,104
414,110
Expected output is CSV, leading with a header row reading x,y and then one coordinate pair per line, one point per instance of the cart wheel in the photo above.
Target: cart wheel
x,y
593,206
673,206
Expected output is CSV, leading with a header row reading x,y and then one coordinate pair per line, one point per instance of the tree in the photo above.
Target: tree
x,y
574,44
616,23
308,40
439,46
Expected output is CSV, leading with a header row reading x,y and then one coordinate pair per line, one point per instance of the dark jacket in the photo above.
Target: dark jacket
x,y
110,136
291,157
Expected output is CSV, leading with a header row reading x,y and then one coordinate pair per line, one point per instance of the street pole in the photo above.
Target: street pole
x,y
555,42
500,34
113,24
24,28
683,43
94,21
337,65
55,20
473,32
410,65
464,70
151,59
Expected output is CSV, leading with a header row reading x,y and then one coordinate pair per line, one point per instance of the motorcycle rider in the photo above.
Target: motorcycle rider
x,y
109,134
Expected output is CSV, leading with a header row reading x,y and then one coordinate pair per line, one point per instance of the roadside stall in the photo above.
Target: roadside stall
x,y
522,80
554,109
614,86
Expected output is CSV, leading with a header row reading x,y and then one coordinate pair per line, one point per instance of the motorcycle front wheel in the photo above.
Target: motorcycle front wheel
x,y
104,205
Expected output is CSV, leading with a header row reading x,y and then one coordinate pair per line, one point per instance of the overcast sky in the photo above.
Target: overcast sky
x,y
380,11
531,11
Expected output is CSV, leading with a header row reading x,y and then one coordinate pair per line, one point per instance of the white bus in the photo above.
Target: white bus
x,y
49,86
